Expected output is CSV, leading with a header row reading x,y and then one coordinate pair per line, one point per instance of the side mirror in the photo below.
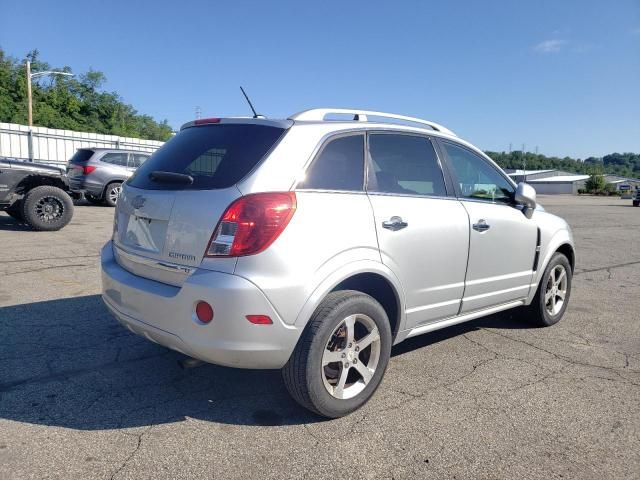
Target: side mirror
x,y
526,195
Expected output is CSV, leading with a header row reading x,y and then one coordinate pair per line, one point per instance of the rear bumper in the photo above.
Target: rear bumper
x,y
85,185
165,314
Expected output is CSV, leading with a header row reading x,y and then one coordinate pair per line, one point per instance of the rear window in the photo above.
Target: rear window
x,y
216,156
81,156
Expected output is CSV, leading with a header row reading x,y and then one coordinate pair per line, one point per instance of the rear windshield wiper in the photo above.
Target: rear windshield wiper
x,y
171,177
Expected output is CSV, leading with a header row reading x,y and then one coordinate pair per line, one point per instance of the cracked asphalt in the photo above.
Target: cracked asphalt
x,y
81,397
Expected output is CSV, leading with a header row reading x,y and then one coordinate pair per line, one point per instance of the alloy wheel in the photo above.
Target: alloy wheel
x,y
114,193
556,290
49,209
351,356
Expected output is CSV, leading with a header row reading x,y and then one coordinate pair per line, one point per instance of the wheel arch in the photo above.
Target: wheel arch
x,y
567,250
369,277
561,241
109,182
34,180
380,289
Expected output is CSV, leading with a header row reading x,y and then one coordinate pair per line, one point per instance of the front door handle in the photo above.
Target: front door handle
x,y
394,224
481,226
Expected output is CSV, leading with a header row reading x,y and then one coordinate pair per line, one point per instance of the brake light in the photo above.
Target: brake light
x,y
205,121
251,223
87,169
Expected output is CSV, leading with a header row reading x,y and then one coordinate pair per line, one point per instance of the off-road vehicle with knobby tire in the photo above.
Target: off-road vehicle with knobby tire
x,y
35,194
313,244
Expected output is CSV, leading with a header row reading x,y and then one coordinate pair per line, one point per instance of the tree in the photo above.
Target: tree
x,y
626,164
595,183
71,103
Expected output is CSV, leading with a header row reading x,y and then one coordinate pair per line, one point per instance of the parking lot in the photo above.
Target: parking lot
x,y
81,397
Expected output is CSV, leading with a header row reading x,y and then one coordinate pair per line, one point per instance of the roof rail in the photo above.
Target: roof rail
x,y
319,114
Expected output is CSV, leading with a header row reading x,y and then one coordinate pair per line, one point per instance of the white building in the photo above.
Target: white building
x,y
561,182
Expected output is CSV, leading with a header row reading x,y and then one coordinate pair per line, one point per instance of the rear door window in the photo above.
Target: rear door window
x,y
215,156
120,159
339,166
404,164
137,159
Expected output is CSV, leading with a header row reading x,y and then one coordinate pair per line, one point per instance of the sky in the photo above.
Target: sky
x,y
562,76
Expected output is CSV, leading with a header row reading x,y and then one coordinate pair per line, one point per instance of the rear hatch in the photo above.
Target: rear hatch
x,y
169,209
75,168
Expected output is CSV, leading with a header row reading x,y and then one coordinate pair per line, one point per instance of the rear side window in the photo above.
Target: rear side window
x,y
340,166
81,156
216,156
404,164
120,159
137,159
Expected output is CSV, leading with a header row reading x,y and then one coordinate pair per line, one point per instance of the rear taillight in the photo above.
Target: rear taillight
x,y
87,169
252,223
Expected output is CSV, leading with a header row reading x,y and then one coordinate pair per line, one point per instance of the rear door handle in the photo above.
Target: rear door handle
x,y
394,224
481,226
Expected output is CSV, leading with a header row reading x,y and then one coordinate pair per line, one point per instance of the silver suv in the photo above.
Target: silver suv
x,y
314,244
99,172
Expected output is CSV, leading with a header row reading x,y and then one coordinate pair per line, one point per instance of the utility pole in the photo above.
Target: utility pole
x,y
198,113
524,163
34,75
30,101
29,98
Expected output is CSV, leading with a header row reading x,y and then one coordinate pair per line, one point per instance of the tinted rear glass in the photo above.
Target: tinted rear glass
x,y
216,156
81,156
340,166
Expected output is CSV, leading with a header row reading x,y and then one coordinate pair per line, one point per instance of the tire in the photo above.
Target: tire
x,y
15,211
111,193
47,208
317,387
545,309
93,200
636,203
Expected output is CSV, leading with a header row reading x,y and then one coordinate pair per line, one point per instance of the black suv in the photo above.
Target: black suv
x,y
35,193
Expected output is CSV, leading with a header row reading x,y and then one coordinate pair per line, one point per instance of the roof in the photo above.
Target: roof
x,y
624,180
559,179
619,178
349,117
529,172
113,149
321,114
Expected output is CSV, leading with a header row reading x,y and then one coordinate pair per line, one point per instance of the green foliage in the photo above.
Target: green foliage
x,y
595,183
71,103
625,164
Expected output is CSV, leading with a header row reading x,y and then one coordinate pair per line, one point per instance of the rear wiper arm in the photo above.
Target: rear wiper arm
x,y
170,177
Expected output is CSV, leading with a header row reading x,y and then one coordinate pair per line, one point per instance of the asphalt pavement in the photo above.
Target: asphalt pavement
x,y
81,397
